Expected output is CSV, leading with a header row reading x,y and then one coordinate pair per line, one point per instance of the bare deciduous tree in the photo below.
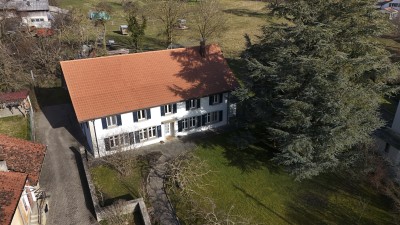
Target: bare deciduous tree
x,y
12,76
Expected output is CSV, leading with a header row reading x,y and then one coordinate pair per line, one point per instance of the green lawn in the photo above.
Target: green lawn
x,y
112,187
15,126
252,187
242,17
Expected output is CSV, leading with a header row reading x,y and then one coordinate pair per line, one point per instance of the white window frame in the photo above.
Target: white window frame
x,y
152,132
167,128
208,118
114,141
143,134
193,103
214,117
168,109
111,121
141,114
192,122
215,99
185,124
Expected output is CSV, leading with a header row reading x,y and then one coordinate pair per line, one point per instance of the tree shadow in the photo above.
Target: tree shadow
x,y
258,202
201,76
245,12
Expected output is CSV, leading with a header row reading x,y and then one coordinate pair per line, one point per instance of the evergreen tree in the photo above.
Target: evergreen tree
x,y
315,83
137,29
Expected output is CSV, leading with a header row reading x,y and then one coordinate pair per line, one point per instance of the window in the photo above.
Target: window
x,y
214,117
192,122
143,134
208,118
168,109
166,127
41,20
152,132
184,124
211,117
141,114
114,141
147,133
215,99
192,103
111,121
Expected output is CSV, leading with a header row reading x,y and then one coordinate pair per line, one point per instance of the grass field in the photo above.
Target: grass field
x,y
15,126
112,187
249,185
242,17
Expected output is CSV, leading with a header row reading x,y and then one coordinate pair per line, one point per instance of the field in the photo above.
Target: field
x,y
15,126
248,185
242,17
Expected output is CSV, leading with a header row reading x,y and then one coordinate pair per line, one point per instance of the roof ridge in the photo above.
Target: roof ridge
x,y
135,53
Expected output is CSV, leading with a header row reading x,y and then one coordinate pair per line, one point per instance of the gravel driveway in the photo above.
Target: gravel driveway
x,y
62,177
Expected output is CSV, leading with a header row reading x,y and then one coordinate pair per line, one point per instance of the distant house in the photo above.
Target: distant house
x,y
21,199
15,103
132,100
390,7
32,13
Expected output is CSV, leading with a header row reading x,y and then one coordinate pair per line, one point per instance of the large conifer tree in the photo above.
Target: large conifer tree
x,y
315,83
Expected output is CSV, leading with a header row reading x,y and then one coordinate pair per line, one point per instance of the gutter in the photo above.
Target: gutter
x,y
95,136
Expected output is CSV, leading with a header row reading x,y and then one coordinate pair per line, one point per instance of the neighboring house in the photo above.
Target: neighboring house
x,y
22,200
128,101
32,13
15,103
391,7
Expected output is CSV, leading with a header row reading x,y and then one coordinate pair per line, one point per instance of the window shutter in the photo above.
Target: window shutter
x,y
137,139
220,97
203,120
162,110
159,131
179,125
119,121
148,114
187,105
131,138
104,122
135,118
198,103
210,100
198,121
220,115
174,108
107,144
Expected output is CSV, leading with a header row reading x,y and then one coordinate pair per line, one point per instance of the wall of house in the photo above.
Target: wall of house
x,y
28,16
128,125
86,132
23,211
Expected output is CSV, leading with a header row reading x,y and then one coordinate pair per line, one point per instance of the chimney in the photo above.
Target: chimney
x,y
202,49
3,164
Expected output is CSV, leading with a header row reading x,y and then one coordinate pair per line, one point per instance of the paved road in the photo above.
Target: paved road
x,y
61,176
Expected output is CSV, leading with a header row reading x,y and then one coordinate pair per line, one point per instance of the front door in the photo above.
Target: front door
x,y
172,129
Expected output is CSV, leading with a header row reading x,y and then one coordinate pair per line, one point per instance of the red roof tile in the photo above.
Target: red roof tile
x,y
13,96
23,156
11,187
117,84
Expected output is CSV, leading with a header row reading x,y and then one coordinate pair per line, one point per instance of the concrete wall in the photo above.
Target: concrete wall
x,y
128,124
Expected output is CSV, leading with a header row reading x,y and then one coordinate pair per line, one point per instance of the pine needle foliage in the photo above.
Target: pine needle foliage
x,y
315,83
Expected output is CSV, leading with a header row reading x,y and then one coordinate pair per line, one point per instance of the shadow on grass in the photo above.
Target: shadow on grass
x,y
338,200
245,12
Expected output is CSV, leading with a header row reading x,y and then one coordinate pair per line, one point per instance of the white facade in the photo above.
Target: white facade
x,y
169,125
38,19
395,4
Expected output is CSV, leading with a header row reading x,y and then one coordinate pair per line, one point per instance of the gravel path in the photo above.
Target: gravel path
x,y
62,177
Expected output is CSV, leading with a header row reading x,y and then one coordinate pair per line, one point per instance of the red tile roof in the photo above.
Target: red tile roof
x,y
11,187
117,84
13,96
23,156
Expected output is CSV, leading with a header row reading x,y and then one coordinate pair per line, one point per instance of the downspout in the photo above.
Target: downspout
x,y
95,136
227,108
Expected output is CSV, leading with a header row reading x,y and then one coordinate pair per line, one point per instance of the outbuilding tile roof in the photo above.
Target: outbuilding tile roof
x,y
11,187
111,85
13,96
23,156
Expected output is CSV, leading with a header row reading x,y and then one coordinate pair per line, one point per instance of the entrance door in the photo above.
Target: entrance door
x,y
172,129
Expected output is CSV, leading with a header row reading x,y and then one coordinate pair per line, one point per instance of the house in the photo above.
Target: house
x,y
390,7
32,13
21,199
132,100
15,103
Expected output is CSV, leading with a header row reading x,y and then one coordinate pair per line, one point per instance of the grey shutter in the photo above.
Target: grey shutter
x,y
174,108
220,115
220,97
131,138
159,131
162,110
187,105
148,114
198,121
104,122
135,118
119,121
203,119
210,100
198,103
179,125
107,144
137,139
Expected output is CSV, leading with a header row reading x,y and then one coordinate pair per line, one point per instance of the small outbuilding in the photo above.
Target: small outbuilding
x,y
123,29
